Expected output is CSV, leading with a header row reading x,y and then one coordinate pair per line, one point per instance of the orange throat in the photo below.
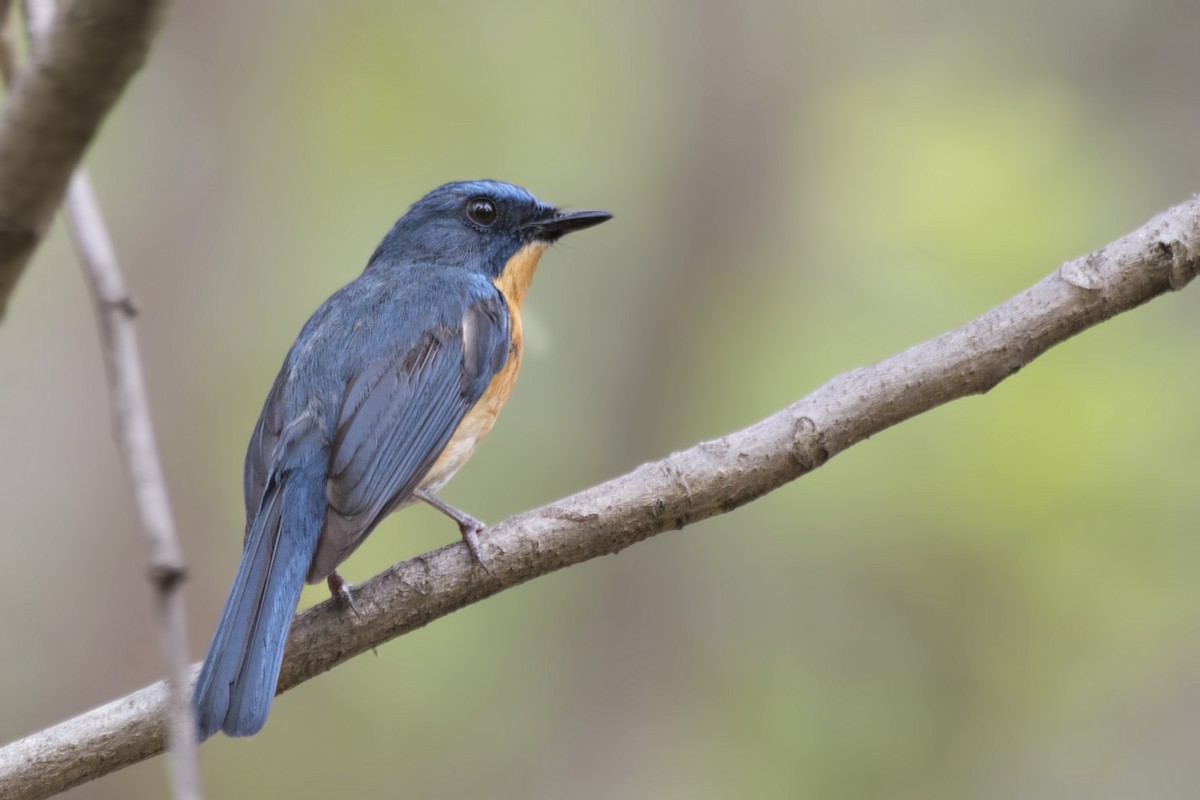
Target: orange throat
x,y
513,283
518,274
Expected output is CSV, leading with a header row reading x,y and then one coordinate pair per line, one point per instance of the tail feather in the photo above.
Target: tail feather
x,y
237,682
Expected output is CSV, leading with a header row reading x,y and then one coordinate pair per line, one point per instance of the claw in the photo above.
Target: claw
x,y
468,526
341,592
470,534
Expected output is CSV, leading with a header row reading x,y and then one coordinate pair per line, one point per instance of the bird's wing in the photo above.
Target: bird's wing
x,y
261,453
397,416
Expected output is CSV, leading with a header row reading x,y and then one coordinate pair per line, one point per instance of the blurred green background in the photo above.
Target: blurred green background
x,y
996,600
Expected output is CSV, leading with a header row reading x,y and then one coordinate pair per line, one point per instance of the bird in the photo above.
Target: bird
x,y
385,394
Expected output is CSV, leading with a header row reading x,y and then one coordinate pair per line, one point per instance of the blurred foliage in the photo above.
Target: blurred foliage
x,y
997,599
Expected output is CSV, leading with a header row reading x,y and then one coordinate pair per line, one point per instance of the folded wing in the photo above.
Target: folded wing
x,y
398,414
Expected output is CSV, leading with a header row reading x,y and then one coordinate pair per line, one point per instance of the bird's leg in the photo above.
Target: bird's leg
x,y
341,592
468,526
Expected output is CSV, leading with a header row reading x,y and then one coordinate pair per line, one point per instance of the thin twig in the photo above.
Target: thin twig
x,y
135,435
708,479
131,416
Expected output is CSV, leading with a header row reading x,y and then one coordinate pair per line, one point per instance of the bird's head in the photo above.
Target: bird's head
x,y
478,225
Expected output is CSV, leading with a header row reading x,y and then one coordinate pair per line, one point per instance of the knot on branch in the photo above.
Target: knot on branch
x,y
1167,247
808,444
1176,242
125,305
166,577
1085,272
1185,263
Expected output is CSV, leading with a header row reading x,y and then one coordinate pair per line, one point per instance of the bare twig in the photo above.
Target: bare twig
x,y
134,431
703,481
135,434
53,109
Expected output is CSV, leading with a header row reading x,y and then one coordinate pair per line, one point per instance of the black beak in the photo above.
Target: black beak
x,y
559,223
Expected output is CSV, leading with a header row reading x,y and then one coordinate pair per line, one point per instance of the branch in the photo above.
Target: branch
x,y
73,77
131,418
135,435
703,481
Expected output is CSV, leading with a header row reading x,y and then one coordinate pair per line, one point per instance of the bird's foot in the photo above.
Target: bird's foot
x,y
468,526
341,592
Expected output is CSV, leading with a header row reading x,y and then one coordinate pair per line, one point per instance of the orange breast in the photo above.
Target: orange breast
x,y
513,283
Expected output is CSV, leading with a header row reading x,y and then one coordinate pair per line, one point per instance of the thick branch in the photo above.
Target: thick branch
x,y
131,417
708,479
72,79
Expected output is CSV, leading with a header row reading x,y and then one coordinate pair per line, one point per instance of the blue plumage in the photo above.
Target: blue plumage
x,y
377,384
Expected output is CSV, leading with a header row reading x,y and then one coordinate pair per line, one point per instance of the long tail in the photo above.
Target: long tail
x,y
237,681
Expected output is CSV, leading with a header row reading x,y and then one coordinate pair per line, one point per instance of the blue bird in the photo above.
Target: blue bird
x,y
383,397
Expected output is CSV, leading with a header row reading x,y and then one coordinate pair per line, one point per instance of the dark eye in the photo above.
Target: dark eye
x,y
481,211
